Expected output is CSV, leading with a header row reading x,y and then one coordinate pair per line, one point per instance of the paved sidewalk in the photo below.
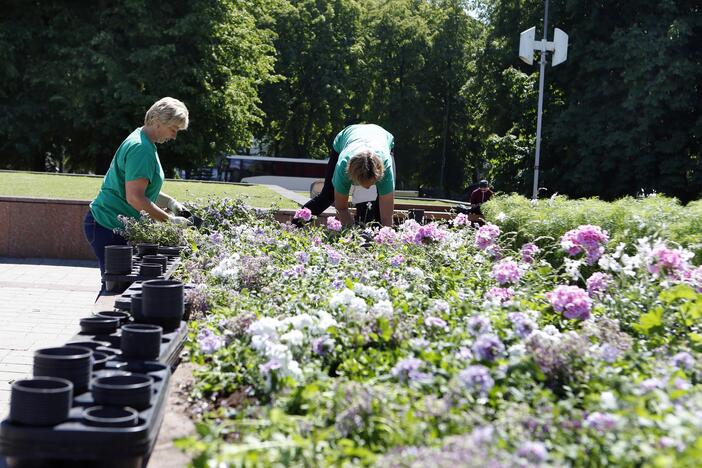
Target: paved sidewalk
x,y
41,301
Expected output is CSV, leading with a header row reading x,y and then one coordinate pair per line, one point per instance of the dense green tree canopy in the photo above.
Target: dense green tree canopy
x,y
623,114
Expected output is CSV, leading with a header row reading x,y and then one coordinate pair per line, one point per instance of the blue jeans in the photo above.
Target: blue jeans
x,y
98,237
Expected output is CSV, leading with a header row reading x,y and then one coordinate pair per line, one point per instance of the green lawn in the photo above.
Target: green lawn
x,y
76,187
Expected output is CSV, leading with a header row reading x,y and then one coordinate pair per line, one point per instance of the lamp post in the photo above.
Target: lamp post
x,y
527,46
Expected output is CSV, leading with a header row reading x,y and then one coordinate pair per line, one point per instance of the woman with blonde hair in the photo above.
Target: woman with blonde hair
x,y
361,155
134,180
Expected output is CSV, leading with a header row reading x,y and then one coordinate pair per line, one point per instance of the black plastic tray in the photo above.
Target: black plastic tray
x,y
73,443
171,343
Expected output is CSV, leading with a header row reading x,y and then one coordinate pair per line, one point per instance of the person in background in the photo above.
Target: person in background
x,y
480,196
134,180
361,155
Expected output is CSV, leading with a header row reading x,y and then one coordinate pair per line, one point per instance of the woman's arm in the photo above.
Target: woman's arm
x,y
136,196
387,208
341,203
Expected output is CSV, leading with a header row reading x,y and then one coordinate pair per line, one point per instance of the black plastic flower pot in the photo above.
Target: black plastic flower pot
x,y
110,416
100,360
147,249
160,259
135,308
141,341
150,270
162,303
99,325
67,362
118,259
170,251
42,401
123,317
132,390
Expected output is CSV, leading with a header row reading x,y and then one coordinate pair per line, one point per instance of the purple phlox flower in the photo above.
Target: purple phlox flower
x,y
397,260
337,284
208,341
488,347
506,272
297,270
609,352
464,353
601,422
322,345
428,233
535,452
386,235
408,370
523,325
586,238
461,219
317,241
477,378
333,224
572,301
529,251
477,325
681,384
302,257
216,237
333,256
651,384
683,360
486,236
499,294
598,283
304,214
671,262
435,322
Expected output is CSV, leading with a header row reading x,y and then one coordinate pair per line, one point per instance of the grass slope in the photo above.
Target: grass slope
x,y
78,187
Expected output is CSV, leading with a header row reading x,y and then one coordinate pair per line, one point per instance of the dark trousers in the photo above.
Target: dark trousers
x,y
325,198
98,237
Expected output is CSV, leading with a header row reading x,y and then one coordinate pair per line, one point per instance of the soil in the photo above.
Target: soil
x,y
176,421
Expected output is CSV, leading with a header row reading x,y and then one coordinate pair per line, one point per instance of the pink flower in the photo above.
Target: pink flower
x,y
461,219
386,235
500,294
486,236
506,272
597,284
529,251
572,301
586,238
304,214
668,261
333,224
428,233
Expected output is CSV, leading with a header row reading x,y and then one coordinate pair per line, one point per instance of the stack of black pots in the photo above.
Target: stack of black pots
x,y
162,303
118,259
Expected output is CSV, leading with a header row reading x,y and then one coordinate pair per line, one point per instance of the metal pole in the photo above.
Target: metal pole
x,y
542,72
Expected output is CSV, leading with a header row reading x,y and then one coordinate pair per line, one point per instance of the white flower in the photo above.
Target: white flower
x,y
357,306
382,309
501,216
342,298
300,322
325,320
265,326
293,337
608,401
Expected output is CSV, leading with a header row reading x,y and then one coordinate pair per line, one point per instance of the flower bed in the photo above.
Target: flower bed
x,y
440,345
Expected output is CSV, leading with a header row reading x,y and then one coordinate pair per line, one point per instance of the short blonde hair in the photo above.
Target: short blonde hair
x,y
365,166
167,111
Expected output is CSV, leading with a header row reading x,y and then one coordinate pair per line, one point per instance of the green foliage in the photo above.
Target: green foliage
x,y
82,76
146,230
626,219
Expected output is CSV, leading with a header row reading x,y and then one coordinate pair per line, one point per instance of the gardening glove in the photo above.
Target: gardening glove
x,y
180,221
175,206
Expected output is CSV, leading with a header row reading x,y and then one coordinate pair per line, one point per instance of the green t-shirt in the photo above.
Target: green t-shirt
x,y
356,138
136,158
